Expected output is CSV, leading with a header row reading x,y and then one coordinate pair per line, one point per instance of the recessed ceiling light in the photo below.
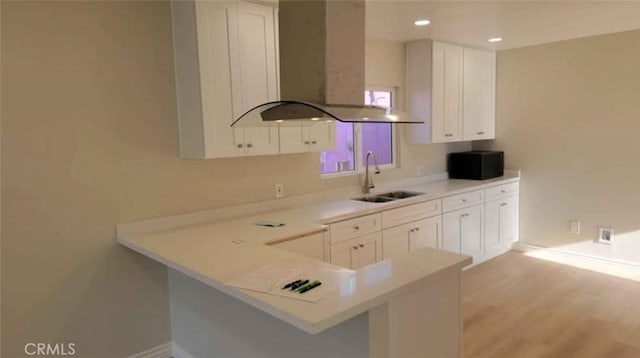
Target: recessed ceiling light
x,y
422,22
495,39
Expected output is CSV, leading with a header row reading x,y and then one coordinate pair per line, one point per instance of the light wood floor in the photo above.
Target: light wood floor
x,y
518,306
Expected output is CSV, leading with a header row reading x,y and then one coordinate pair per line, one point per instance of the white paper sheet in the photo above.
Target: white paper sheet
x,y
270,279
264,278
330,278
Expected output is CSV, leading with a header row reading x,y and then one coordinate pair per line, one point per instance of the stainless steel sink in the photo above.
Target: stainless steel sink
x,y
374,199
400,194
387,197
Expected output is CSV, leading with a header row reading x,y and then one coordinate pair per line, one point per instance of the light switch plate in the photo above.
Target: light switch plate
x,y
575,227
279,190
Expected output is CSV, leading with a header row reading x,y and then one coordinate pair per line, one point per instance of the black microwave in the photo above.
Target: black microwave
x,y
476,165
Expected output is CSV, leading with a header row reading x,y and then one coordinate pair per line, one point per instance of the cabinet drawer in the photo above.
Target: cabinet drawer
x,y
348,229
411,213
501,190
462,200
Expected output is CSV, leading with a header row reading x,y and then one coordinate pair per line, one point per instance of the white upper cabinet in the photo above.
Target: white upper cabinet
x,y
446,101
479,94
452,88
314,138
226,63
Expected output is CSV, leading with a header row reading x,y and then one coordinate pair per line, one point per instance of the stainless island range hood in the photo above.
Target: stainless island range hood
x,y
322,54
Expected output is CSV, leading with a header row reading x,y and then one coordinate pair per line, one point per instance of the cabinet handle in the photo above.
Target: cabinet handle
x,y
412,230
480,133
356,227
306,142
240,145
448,135
313,142
355,247
464,200
503,204
503,191
361,245
417,229
465,215
249,145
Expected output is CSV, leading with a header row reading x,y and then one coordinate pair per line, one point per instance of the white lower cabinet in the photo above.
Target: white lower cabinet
x,y
480,223
463,232
357,252
501,225
412,236
310,245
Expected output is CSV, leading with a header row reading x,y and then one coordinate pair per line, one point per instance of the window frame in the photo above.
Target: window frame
x,y
357,134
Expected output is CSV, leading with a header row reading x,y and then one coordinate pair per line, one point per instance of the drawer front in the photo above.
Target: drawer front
x,y
411,213
348,229
501,190
456,202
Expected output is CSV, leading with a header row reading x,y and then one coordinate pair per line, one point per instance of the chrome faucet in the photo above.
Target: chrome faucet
x,y
368,179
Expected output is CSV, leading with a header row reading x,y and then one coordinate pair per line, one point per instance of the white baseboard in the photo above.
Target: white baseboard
x,y
161,351
580,260
179,352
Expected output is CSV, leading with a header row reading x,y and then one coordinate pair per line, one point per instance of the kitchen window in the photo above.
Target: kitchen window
x,y
354,140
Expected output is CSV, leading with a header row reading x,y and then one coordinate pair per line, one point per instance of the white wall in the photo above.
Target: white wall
x,y
89,140
568,115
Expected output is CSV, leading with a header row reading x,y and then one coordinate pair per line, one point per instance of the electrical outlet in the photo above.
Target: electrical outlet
x,y
605,235
279,190
575,227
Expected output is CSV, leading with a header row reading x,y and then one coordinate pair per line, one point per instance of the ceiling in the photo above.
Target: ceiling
x,y
519,23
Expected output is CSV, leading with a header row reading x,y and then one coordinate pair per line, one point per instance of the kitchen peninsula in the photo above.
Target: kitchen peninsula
x,y
400,306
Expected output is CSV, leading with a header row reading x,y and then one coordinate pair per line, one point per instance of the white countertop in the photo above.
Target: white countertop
x,y
218,252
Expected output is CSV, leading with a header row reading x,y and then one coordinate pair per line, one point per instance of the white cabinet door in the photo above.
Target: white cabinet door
x,y
426,233
451,231
257,73
216,55
310,245
367,253
446,106
463,232
412,236
311,138
501,225
257,55
479,73
509,221
322,136
261,140
226,63
343,256
493,241
395,241
471,232
294,139
357,252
